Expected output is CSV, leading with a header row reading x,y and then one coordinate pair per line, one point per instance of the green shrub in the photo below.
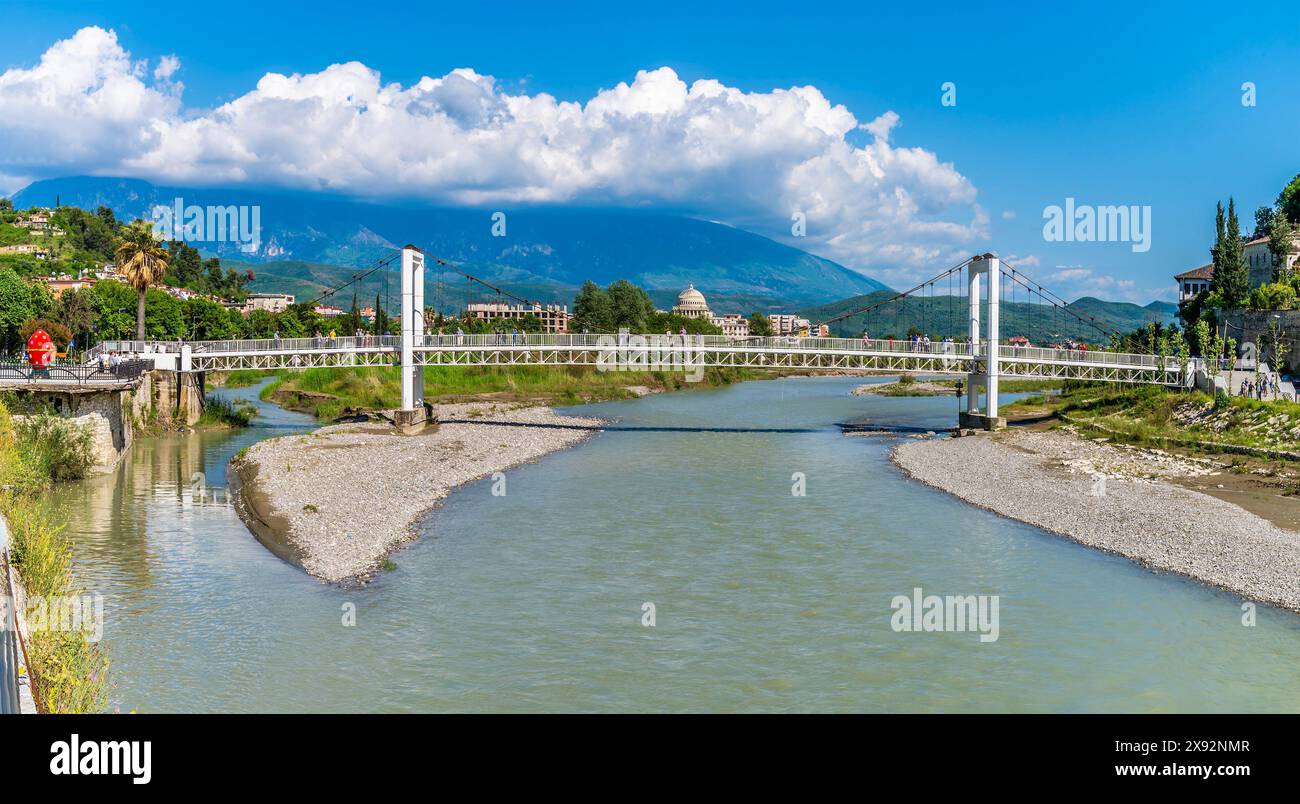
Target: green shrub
x,y
220,411
56,447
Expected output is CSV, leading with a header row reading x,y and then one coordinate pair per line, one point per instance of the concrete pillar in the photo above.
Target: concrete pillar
x,y
412,317
991,366
974,378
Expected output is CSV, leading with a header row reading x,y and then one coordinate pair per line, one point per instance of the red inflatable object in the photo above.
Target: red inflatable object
x,y
40,349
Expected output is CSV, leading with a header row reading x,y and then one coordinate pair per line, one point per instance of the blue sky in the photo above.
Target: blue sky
x,y
1122,103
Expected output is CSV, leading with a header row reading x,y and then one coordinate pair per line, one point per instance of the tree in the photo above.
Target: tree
x,y
1201,338
106,215
630,305
1289,200
143,261
1263,221
1281,238
591,309
15,306
1219,236
1179,344
381,318
6,205
1231,274
114,304
760,325
58,333
76,311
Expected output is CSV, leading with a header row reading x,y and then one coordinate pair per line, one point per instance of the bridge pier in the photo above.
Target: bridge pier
x,y
412,328
986,377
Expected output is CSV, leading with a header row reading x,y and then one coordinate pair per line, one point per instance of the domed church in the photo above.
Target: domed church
x,y
691,304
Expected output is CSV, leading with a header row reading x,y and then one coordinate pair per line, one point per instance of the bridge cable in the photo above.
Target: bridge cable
x,y
896,297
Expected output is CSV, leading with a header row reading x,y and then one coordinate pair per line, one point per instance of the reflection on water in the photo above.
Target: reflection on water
x,y
764,600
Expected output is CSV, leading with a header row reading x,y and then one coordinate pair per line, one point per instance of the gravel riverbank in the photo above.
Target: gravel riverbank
x,y
340,499
1117,499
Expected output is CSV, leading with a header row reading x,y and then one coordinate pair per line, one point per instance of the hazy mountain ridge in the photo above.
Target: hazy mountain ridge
x,y
947,315
551,250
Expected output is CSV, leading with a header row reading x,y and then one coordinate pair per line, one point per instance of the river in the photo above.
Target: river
x,y
763,600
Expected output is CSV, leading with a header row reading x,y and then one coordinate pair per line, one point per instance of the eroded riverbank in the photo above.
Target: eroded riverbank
x,y
338,500
1121,500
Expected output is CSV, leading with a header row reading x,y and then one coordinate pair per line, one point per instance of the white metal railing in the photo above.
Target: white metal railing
x,y
392,343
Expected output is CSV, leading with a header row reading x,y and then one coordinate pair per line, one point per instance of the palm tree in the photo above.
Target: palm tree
x,y
143,261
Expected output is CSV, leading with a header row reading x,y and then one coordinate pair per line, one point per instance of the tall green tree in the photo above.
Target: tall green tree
x,y
1281,239
591,310
1289,200
760,325
15,307
1231,274
1263,221
143,261
630,306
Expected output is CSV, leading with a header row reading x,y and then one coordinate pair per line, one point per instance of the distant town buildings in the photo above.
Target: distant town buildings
x,y
327,311
26,248
554,317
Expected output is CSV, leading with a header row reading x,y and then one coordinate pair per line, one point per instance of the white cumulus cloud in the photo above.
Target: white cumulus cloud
x,y
751,159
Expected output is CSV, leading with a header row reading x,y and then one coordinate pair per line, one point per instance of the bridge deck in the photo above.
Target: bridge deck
x,y
664,352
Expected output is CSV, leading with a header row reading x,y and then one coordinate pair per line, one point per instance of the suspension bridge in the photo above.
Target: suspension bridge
x,y
977,285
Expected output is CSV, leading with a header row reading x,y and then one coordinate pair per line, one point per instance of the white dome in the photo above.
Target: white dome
x,y
691,298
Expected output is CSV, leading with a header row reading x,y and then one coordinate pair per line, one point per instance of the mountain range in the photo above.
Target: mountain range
x,y
311,243
308,241
1087,319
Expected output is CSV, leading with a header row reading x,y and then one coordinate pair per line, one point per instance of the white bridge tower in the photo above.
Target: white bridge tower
x,y
412,333
983,375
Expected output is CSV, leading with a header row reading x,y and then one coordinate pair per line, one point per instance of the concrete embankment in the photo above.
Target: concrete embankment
x,y
1118,499
337,501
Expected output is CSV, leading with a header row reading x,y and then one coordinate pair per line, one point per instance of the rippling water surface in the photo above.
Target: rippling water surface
x,y
764,600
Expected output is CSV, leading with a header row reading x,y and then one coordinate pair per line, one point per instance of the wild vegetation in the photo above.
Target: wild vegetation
x,y
69,671
330,393
1161,417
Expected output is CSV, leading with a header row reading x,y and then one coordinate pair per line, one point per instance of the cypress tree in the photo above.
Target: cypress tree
x,y
1232,274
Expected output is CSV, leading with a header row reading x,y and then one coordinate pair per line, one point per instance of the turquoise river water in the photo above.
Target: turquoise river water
x,y
763,600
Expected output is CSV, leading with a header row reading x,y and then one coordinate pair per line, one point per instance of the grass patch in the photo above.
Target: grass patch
x,y
242,378
221,412
328,393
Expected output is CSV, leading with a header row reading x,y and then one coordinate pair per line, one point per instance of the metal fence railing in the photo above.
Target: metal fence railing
x,y
374,343
10,658
87,374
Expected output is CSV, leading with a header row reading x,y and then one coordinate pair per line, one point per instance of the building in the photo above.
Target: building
x,y
554,317
1194,281
1259,264
184,294
784,324
58,284
37,222
26,248
733,325
327,311
270,302
691,304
